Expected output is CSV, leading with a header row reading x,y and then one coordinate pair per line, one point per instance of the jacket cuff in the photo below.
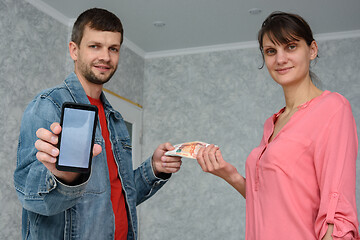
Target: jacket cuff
x,y
149,174
75,189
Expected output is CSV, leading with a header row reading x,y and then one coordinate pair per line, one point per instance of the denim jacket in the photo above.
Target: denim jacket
x,y
53,210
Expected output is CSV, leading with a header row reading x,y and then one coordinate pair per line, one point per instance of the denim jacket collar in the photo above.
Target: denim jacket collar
x,y
76,89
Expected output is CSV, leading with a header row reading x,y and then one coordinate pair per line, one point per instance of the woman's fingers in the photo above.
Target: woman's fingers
x,y
207,158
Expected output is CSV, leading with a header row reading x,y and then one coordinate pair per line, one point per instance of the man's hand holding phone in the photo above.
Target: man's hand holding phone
x,y
48,152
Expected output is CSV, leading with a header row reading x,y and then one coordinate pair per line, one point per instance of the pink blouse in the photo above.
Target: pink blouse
x,y
305,178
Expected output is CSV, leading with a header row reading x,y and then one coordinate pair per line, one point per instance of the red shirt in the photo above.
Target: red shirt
x,y
305,177
117,196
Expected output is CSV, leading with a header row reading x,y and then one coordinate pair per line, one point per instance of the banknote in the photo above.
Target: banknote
x,y
188,149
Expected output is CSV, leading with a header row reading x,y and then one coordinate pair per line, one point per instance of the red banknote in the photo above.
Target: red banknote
x,y
187,150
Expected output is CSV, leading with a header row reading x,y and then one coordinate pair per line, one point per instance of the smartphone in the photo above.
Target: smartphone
x,y
78,123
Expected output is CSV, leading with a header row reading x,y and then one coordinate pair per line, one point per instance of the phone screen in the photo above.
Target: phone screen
x,y
77,137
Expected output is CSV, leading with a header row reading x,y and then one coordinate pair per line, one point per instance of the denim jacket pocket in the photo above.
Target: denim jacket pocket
x,y
97,183
122,150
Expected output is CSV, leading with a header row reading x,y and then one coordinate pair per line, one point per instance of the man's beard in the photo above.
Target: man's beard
x,y
91,77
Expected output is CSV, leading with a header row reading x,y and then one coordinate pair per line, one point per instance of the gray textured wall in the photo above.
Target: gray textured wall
x,y
218,97
221,98
32,58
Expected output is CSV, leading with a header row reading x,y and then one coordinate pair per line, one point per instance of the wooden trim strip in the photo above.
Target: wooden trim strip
x,y
125,99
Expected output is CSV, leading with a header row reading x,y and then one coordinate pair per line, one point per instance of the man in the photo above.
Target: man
x,y
102,204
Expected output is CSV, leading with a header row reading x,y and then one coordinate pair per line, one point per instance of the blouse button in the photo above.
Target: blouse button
x,y
335,195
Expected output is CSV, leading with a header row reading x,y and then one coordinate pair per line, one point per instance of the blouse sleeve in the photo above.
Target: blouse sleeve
x,y
335,165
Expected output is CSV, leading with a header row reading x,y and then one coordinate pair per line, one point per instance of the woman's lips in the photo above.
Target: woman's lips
x,y
283,70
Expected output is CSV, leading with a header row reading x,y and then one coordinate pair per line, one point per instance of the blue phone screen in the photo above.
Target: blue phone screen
x,y
76,137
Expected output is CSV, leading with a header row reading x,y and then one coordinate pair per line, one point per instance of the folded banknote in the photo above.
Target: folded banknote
x,y
188,150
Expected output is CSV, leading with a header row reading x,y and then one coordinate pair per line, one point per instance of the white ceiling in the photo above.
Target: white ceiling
x,y
192,24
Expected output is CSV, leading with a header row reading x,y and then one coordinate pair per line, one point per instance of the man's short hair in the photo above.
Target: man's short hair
x,y
98,19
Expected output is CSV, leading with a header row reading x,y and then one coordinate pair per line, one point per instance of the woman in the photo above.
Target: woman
x,y
300,181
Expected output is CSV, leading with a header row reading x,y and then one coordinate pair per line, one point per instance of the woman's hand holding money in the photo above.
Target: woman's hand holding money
x,y
210,160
